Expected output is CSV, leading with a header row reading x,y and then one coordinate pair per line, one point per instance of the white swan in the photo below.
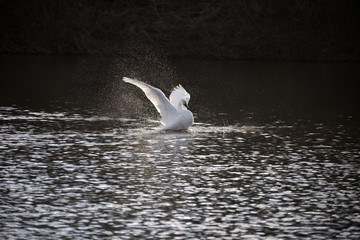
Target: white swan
x,y
174,113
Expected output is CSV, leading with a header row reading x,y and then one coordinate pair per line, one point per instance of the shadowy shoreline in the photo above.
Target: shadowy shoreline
x,y
238,30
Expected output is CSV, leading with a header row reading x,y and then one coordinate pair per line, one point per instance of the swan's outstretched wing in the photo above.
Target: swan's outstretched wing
x,y
177,94
157,97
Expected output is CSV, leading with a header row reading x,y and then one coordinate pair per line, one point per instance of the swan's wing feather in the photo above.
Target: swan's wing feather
x,y
177,94
157,97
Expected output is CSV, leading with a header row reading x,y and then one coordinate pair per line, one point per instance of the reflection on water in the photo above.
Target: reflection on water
x,y
274,152
71,174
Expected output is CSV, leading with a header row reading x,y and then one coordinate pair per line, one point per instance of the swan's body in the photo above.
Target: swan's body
x,y
174,112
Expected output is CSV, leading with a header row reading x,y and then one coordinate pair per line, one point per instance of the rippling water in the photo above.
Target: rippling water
x,y
75,174
274,153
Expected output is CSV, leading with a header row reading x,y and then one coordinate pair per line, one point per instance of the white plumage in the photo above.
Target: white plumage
x,y
177,94
174,113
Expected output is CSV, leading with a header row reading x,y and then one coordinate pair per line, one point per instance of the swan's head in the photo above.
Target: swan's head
x,y
184,102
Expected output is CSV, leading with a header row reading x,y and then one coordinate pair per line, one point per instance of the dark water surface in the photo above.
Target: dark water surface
x,y
274,152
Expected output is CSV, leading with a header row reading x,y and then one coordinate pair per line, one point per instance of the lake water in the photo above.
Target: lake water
x,y
274,152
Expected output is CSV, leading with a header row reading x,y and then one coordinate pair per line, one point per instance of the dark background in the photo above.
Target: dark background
x,y
322,30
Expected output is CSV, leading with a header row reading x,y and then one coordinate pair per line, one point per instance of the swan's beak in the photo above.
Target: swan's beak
x,y
187,106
